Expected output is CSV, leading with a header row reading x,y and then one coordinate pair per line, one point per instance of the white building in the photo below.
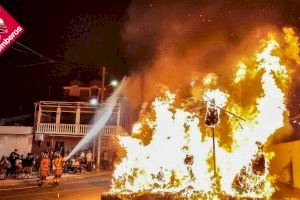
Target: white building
x,y
15,137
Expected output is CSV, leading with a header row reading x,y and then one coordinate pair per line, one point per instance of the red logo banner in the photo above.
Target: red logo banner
x,y
10,29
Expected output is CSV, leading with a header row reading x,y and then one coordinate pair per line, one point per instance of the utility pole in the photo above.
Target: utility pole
x,y
214,151
102,84
101,107
49,91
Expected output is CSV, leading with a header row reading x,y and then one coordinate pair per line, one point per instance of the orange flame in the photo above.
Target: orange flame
x,y
169,151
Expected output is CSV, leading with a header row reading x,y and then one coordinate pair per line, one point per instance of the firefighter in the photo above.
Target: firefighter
x,y
44,169
57,168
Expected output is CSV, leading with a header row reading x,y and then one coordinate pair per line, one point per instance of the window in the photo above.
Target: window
x,y
94,92
67,118
74,91
84,94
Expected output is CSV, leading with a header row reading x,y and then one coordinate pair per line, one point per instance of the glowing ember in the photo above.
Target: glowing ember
x,y
210,79
170,151
241,73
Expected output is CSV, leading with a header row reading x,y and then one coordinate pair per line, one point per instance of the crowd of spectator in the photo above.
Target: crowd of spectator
x,y
79,162
16,165
20,166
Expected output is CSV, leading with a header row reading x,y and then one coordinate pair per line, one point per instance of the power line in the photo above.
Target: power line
x,y
40,55
21,50
34,52
34,64
49,59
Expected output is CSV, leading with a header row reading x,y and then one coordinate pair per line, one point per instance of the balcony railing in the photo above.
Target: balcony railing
x,y
71,129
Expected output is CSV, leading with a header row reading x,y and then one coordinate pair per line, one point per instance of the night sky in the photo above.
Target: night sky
x,y
83,36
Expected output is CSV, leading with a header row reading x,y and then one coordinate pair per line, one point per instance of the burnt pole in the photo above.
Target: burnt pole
x,y
214,151
211,120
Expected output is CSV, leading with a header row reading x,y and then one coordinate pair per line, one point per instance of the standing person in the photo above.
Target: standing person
x,y
12,158
27,164
44,169
38,162
8,171
75,165
19,167
57,168
3,167
89,157
82,157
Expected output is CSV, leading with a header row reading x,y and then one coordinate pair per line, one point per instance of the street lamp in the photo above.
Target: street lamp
x,y
94,101
114,83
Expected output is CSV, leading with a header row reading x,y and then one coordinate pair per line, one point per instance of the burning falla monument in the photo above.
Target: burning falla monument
x,y
169,153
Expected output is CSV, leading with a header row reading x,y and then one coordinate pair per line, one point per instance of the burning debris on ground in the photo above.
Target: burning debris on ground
x,y
172,153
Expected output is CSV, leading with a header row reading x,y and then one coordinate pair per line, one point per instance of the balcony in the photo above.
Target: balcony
x,y
58,118
54,129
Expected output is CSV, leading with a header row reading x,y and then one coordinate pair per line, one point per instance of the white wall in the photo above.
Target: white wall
x,y
15,137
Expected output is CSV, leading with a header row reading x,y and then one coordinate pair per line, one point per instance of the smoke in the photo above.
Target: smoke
x,y
172,41
101,117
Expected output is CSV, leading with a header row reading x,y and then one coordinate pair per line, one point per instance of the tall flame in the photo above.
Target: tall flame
x,y
170,150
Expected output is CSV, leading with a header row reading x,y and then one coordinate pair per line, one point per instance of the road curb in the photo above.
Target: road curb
x,y
14,182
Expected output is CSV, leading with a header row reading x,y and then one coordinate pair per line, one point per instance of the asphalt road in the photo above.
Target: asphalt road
x,y
75,189
90,188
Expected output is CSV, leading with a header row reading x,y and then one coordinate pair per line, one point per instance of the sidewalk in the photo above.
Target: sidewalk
x,y
34,179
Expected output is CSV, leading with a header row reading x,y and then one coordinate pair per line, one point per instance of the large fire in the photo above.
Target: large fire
x,y
170,148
